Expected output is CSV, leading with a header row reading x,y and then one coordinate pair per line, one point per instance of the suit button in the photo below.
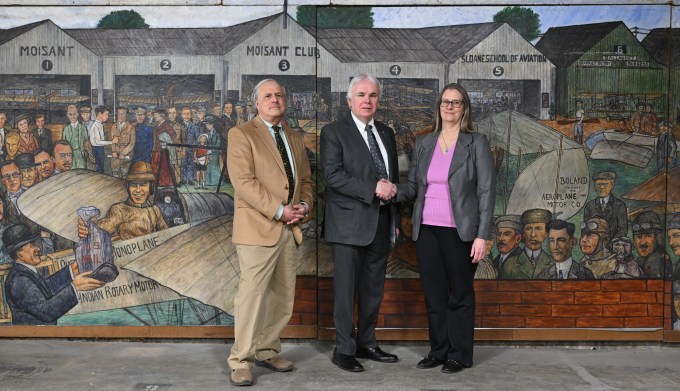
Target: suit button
x,y
286,187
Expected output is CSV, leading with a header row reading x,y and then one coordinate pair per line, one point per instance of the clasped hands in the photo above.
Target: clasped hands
x,y
385,190
293,214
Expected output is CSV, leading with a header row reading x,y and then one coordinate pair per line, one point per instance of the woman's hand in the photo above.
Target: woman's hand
x,y
478,250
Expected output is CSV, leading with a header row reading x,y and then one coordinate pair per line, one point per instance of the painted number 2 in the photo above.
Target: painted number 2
x,y
166,65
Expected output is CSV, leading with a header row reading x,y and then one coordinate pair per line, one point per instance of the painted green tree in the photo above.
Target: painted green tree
x,y
122,20
335,17
522,19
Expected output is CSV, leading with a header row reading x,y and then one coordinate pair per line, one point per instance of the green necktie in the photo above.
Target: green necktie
x,y
286,162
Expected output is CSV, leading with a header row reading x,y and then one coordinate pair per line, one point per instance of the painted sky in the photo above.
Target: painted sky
x,y
644,17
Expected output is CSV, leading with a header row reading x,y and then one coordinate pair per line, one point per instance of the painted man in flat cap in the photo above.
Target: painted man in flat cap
x,y
606,205
533,260
508,237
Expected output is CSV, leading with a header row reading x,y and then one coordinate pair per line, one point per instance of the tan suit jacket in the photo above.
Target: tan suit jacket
x,y
260,184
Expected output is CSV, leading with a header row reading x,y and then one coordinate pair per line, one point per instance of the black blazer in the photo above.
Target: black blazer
x,y
352,209
37,301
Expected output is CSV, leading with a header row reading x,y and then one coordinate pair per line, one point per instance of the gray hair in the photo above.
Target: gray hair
x,y
256,89
360,78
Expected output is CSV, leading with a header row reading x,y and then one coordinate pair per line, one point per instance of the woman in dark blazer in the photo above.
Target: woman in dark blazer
x,y
452,180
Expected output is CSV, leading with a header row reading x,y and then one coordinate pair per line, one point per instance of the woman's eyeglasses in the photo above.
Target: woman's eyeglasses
x,y
455,103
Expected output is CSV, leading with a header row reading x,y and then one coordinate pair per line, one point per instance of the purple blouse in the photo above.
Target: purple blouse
x,y
437,208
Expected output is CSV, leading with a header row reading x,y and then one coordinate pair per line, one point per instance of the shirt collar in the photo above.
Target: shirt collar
x,y
269,125
31,267
361,125
529,252
565,266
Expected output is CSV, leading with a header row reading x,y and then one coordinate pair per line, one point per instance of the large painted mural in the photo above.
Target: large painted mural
x,y
114,144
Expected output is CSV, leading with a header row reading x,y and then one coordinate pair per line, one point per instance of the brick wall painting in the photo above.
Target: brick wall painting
x,y
583,123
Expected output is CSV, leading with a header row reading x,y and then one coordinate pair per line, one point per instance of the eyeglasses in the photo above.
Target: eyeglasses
x,y
14,175
455,103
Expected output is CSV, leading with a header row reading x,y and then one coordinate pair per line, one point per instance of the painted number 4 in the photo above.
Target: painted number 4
x,y
395,70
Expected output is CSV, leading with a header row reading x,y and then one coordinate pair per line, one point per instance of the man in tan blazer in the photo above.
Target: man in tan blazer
x,y
272,183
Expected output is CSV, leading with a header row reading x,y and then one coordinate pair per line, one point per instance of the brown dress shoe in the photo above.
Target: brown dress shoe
x,y
276,364
241,377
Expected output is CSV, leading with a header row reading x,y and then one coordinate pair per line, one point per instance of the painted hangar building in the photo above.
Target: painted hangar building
x,y
606,67
45,68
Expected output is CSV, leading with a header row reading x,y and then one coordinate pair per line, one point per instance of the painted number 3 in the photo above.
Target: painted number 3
x,y
284,65
166,65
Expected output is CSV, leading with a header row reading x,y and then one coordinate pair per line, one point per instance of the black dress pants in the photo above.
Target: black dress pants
x,y
447,274
359,271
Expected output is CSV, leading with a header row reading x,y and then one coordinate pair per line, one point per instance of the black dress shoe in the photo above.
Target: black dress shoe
x,y
376,354
346,362
452,366
429,362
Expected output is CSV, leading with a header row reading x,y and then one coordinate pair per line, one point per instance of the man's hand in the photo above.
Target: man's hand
x,y
83,282
115,140
292,214
83,230
385,190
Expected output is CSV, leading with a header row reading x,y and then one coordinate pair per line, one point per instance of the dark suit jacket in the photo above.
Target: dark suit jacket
x,y
44,140
34,300
616,214
497,260
575,272
352,208
472,184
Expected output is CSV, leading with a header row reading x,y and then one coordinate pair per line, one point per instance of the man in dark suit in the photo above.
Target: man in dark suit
x,y
33,299
143,138
43,135
606,205
359,159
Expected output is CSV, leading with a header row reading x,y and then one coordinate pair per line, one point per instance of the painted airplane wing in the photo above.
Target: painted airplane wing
x,y
53,203
200,263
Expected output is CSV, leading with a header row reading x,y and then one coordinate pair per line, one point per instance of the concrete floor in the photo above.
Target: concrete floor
x,y
57,365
